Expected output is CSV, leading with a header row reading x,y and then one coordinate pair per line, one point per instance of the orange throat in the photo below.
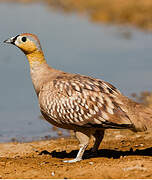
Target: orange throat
x,y
36,58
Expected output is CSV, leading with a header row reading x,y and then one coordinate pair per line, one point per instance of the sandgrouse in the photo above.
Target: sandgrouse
x,y
77,102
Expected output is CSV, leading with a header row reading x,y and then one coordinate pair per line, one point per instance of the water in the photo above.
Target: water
x,y
72,44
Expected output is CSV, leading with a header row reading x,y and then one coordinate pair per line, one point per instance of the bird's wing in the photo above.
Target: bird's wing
x,y
84,101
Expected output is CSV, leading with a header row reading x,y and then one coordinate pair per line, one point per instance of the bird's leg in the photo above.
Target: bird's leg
x,y
84,140
98,135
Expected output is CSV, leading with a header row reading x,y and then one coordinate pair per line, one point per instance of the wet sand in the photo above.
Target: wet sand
x,y
122,154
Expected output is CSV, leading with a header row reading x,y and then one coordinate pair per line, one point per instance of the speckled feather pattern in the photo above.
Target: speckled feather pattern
x,y
82,100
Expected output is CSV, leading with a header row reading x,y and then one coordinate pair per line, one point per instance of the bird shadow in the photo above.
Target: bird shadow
x,y
115,154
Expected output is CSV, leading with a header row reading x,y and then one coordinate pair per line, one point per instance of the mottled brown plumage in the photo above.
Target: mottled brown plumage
x,y
83,104
81,100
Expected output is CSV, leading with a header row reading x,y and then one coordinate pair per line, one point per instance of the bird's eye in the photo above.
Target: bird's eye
x,y
24,39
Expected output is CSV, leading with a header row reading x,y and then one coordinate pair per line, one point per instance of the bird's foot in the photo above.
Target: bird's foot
x,y
72,160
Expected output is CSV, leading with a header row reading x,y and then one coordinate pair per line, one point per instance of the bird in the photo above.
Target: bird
x,y
77,102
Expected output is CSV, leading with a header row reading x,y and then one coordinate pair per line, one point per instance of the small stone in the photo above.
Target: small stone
x,y
90,163
121,157
139,145
138,135
53,174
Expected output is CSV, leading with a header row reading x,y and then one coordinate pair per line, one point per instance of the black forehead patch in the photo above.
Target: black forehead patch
x,y
14,39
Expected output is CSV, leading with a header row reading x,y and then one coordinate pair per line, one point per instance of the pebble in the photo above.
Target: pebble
x,y
53,174
139,145
90,163
121,157
138,135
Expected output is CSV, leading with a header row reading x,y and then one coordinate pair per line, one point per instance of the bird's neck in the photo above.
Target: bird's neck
x,y
36,58
40,71
38,68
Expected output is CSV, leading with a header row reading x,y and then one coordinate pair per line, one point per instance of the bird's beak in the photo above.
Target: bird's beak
x,y
9,41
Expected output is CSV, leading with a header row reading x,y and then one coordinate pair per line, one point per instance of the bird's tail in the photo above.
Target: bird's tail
x,y
141,118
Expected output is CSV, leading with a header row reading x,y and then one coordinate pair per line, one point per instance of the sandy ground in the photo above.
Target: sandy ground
x,y
122,154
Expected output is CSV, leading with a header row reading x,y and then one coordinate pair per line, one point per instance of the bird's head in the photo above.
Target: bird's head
x,y
27,42
30,45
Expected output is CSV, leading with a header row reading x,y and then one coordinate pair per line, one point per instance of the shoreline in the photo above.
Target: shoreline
x,y
114,12
122,154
